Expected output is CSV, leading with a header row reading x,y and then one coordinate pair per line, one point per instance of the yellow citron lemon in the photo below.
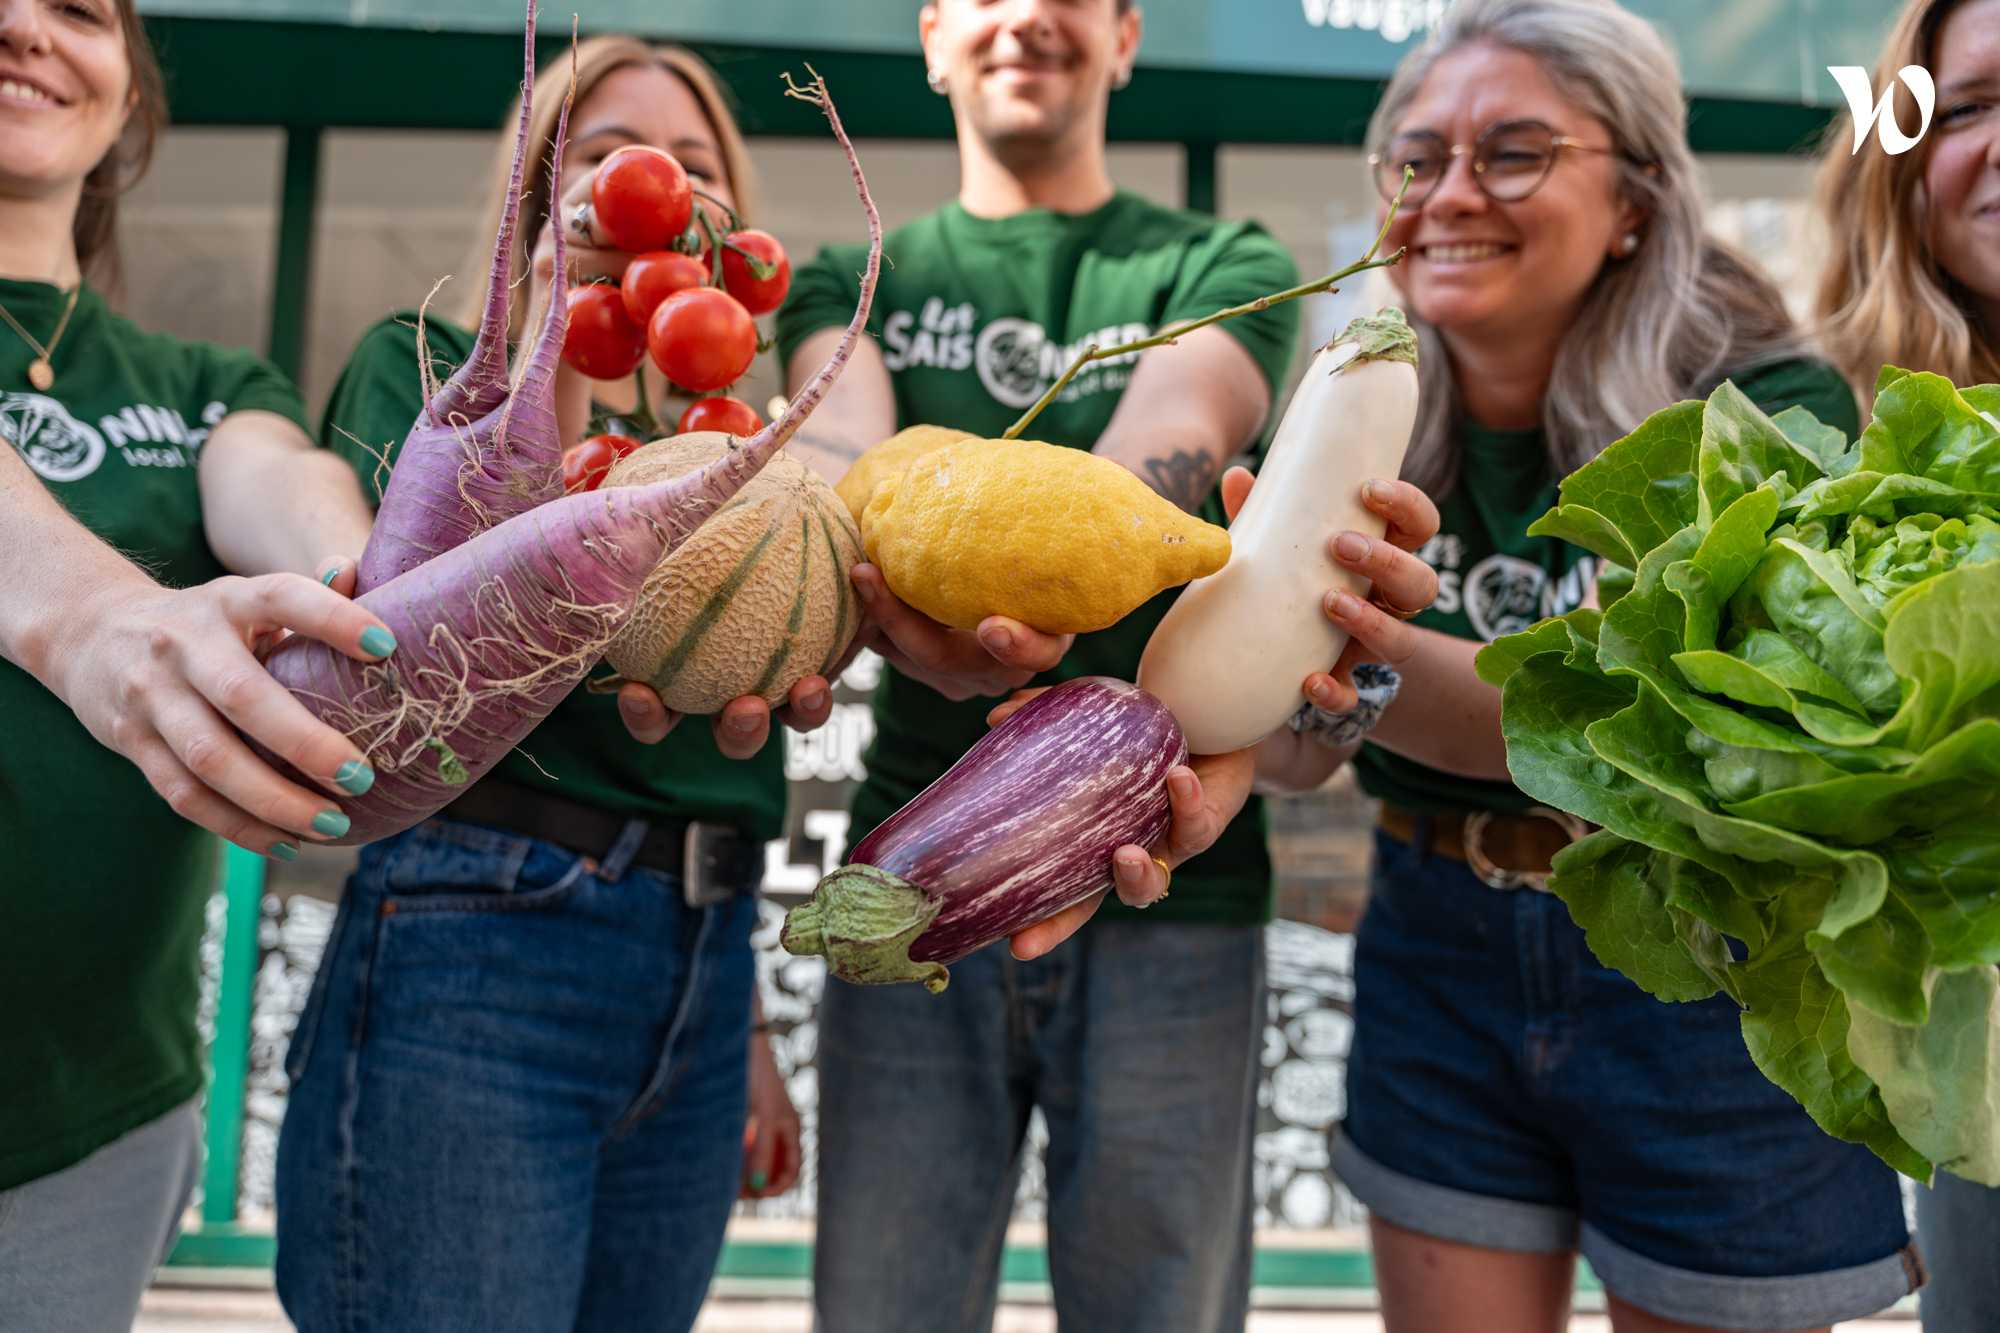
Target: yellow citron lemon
x,y
1059,539
893,455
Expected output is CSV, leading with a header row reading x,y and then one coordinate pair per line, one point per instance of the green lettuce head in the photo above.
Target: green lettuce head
x,y
1787,722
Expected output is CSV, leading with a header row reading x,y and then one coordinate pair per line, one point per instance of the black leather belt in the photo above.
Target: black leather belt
x,y
714,862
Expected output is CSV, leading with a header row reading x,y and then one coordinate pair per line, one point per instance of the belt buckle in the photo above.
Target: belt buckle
x,y
1494,877
702,884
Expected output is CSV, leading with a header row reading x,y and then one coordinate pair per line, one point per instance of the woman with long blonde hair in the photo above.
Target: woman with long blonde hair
x,y
1511,1101
1913,280
519,1087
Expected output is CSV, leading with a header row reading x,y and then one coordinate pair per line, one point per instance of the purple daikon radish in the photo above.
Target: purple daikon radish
x,y
493,633
475,455
1021,827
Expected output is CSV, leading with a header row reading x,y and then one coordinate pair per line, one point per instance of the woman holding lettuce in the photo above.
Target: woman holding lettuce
x,y
1914,282
1510,1100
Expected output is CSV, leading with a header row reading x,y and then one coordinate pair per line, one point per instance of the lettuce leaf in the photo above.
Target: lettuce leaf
x,y
1786,723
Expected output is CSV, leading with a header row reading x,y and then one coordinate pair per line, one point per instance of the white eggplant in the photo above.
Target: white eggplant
x,y
1231,655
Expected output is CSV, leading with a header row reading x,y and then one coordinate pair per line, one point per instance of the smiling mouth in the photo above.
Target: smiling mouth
x,y
1462,252
21,91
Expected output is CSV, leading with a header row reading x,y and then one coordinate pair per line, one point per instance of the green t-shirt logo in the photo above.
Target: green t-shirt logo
x,y
54,443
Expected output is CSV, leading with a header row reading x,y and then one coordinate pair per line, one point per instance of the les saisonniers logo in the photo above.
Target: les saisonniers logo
x,y
1880,116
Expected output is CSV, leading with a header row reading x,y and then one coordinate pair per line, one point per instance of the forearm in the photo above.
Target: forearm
x,y
858,412
1290,762
57,570
1445,716
1189,408
271,503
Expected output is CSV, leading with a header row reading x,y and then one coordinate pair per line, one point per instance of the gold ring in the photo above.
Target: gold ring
x,y
1384,605
1166,870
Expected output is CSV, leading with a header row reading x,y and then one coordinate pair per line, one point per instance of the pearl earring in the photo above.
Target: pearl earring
x,y
1630,244
1120,79
936,81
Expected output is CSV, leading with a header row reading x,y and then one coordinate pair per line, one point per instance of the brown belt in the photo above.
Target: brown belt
x,y
1505,851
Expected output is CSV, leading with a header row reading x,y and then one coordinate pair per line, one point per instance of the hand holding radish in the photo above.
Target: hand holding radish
x,y
1001,655
168,677
771,1132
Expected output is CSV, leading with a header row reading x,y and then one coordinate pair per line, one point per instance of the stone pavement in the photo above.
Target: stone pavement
x,y
254,1310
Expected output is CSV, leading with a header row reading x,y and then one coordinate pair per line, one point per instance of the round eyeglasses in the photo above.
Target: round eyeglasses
x,y
1510,160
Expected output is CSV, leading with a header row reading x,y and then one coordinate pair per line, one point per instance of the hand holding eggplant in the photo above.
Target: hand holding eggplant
x,y
1400,580
1000,656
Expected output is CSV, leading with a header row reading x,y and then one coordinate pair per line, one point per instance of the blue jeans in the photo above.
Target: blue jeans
x,y
1139,1043
518,1094
1958,1224
1505,1090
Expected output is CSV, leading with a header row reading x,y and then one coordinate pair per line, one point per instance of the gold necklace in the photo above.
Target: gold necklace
x,y
40,373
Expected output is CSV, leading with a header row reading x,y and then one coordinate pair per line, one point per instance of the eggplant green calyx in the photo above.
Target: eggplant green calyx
x,y
864,921
1384,336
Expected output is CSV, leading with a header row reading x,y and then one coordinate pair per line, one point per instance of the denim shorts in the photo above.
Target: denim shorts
x,y
1507,1091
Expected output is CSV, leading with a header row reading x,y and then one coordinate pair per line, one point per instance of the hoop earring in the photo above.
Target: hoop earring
x,y
936,81
1630,244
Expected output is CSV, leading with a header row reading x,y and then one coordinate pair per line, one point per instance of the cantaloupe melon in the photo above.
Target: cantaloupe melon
x,y
757,599
891,456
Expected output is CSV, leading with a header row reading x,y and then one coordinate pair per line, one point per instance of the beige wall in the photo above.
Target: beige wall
x,y
399,210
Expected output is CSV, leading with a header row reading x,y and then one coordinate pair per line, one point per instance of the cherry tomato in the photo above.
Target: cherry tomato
x,y
602,341
760,296
702,339
585,464
725,414
652,277
641,199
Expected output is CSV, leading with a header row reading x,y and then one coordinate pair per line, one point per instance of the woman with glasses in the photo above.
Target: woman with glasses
x,y
1914,281
1510,1101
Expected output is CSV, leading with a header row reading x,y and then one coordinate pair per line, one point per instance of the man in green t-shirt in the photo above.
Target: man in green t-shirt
x,y
1137,1038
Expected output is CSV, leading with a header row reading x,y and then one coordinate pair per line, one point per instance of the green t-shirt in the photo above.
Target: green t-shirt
x,y
976,318
1494,579
581,751
102,886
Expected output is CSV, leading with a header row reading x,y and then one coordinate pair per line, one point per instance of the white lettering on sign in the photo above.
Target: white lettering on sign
x,y
1392,20
1881,115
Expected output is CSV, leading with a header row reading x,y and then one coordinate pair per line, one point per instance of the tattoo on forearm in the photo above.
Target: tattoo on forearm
x,y
1183,477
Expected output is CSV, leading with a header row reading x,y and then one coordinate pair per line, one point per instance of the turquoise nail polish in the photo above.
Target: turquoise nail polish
x,y
377,642
757,1179
354,777
284,851
330,822
326,579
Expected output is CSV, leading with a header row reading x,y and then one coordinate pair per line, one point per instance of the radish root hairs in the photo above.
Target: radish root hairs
x,y
481,450
493,633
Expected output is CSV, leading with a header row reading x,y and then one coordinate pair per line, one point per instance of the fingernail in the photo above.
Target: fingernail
x,y
866,588
813,700
377,642
744,722
1182,784
1319,692
284,851
1351,546
1343,605
757,1179
331,823
636,707
354,777
1131,871
326,579
1378,490
996,639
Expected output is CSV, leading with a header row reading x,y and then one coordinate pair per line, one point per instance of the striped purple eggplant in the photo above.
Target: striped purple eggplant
x,y
1021,827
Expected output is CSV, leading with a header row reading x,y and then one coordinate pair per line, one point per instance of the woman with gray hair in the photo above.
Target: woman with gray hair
x,y
1511,1101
